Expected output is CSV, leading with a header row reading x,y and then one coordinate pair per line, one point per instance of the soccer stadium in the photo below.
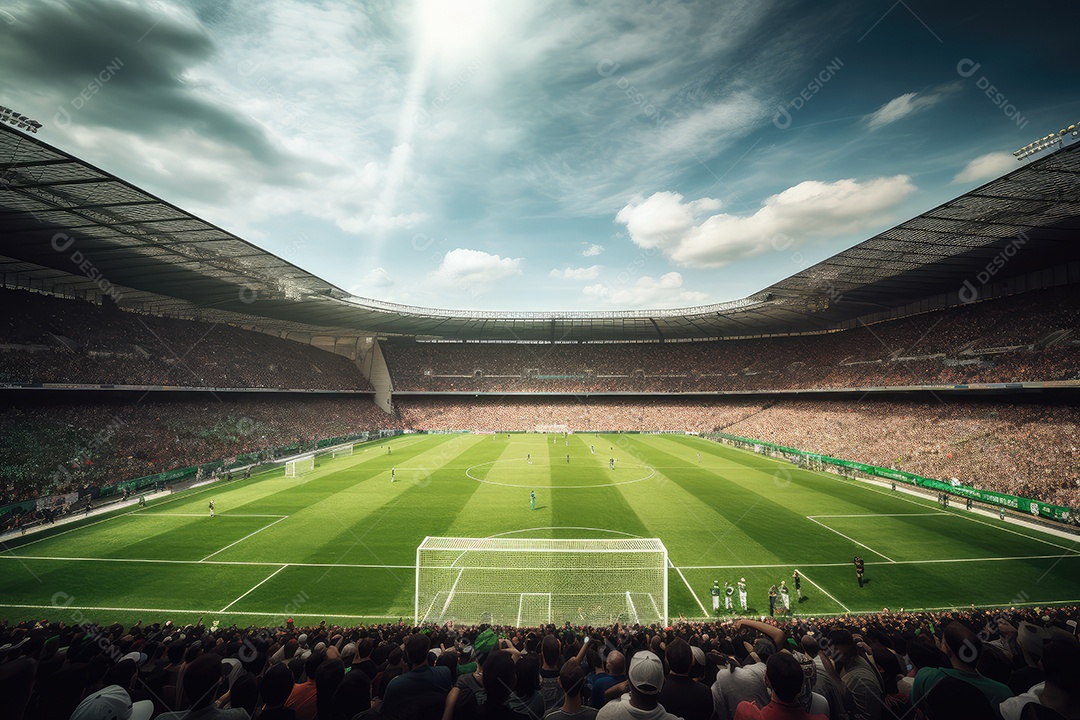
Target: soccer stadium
x,y
231,486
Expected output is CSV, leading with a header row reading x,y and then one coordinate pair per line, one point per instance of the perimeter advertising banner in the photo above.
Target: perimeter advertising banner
x,y
1035,507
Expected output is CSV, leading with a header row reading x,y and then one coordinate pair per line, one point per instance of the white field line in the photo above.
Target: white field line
x,y
851,539
217,562
413,567
253,588
286,517
826,592
874,515
450,597
183,495
191,612
696,598
925,502
966,516
206,514
633,610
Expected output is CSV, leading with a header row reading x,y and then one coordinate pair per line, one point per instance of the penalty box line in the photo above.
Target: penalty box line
x,y
284,517
879,554
827,594
253,588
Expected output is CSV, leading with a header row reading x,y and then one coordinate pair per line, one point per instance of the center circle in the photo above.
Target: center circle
x,y
527,471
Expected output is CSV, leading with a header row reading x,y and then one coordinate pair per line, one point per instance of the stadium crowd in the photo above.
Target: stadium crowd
x,y
971,664
1028,449
1031,337
59,447
46,339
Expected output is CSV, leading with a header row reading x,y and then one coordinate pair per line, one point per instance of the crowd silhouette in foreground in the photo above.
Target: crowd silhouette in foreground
x,y
1005,663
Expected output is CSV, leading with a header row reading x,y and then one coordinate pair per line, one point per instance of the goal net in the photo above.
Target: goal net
x,y
299,466
341,451
530,582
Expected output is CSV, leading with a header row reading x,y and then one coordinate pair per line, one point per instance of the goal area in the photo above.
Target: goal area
x,y
300,466
531,582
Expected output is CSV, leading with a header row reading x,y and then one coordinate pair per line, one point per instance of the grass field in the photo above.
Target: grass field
x,y
339,543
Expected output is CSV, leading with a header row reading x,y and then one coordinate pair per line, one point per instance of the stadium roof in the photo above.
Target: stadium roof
x,y
164,260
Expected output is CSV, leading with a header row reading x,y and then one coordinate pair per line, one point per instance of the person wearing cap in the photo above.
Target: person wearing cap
x,y
742,593
784,677
715,592
646,679
1029,638
729,591
112,703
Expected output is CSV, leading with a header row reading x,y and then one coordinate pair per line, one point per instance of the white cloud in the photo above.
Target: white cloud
x,y
474,269
375,280
646,293
689,236
908,104
584,273
593,250
986,167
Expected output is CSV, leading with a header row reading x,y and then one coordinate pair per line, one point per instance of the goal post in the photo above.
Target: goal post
x,y
341,450
299,466
531,582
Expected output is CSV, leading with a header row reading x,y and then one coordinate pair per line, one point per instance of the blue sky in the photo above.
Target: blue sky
x,y
505,155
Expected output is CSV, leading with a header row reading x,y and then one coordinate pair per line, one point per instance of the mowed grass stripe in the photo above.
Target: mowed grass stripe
x,y
369,520
918,537
694,529
433,496
761,510
602,507
61,583
820,496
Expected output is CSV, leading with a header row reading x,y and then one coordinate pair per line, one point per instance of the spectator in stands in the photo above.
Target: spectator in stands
x,y
1060,691
550,690
646,679
857,673
304,697
572,686
275,688
784,676
615,673
202,683
681,695
499,680
421,692
735,683
963,648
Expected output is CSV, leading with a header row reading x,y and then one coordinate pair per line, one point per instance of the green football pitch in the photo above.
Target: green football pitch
x,y
339,543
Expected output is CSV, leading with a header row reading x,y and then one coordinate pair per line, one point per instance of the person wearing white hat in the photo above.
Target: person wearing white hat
x,y
112,703
646,678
